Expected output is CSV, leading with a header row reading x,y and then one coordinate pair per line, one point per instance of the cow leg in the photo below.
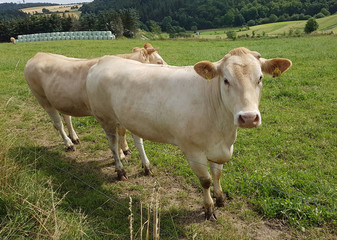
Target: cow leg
x,y
72,134
54,115
216,170
200,167
113,143
122,141
145,161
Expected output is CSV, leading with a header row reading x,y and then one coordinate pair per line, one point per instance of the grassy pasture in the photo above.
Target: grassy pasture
x,y
48,193
326,24
58,8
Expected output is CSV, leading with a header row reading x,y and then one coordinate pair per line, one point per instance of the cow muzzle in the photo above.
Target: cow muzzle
x,y
247,119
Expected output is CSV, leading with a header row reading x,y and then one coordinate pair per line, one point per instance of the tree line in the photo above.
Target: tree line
x,y
205,14
124,17
124,22
9,11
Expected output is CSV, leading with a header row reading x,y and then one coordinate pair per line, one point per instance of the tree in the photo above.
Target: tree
x,y
155,28
194,29
130,20
273,18
45,11
311,25
325,12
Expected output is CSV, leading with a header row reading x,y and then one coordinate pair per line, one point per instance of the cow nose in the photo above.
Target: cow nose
x,y
249,120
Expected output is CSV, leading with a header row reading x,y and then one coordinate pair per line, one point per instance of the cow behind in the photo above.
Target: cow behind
x,y
197,108
59,85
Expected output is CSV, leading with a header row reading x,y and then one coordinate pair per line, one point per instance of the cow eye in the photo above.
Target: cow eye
x,y
226,82
260,80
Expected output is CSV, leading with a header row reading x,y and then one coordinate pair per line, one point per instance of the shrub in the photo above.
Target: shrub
x,y
231,35
325,12
311,25
319,15
251,22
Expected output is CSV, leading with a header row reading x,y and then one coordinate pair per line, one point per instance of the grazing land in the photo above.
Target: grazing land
x,y
67,9
281,182
326,25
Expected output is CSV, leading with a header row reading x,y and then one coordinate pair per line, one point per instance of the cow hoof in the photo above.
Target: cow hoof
x,y
211,217
220,201
148,172
70,148
122,175
127,152
76,141
124,178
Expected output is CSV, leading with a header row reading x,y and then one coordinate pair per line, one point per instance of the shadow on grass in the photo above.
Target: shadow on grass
x,y
83,184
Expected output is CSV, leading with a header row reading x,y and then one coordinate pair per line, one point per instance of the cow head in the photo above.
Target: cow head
x,y
154,56
141,55
239,75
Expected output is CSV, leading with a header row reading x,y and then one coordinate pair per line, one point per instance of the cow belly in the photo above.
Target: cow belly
x,y
69,100
149,127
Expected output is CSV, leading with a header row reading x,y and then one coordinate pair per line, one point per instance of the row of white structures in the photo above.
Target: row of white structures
x,y
80,35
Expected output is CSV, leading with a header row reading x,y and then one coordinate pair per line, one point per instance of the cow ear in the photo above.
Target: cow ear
x,y
151,50
206,70
275,66
147,45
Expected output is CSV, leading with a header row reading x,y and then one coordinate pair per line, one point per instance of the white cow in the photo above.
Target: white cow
x,y
13,40
59,85
197,108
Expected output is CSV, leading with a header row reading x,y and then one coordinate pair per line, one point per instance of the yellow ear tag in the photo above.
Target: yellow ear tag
x,y
208,75
277,72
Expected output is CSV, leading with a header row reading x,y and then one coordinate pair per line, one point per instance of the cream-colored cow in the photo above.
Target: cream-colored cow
x,y
13,40
59,85
197,108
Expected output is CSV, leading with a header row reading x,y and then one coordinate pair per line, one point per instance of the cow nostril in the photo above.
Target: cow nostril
x,y
248,120
257,119
241,120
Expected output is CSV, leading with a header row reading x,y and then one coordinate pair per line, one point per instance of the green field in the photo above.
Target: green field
x,y
281,182
326,25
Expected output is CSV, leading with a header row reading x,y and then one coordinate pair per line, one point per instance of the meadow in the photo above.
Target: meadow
x,y
61,9
281,182
326,25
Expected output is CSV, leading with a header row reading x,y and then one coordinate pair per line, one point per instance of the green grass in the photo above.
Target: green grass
x,y
294,151
326,25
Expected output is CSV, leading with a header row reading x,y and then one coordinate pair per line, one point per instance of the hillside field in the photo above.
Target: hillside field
x,y
281,182
326,25
57,8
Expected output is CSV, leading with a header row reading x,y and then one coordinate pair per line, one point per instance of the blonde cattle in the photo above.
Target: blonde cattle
x,y
197,108
59,85
13,40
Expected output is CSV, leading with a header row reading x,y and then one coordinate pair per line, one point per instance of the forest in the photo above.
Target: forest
x,y
204,14
10,11
124,17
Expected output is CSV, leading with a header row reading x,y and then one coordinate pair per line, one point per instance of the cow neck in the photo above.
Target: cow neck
x,y
218,112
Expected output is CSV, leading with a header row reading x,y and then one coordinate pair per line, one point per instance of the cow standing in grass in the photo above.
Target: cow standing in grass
x,y
197,108
13,40
59,85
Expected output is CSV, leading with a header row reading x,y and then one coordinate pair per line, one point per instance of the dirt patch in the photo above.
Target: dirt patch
x,y
176,194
